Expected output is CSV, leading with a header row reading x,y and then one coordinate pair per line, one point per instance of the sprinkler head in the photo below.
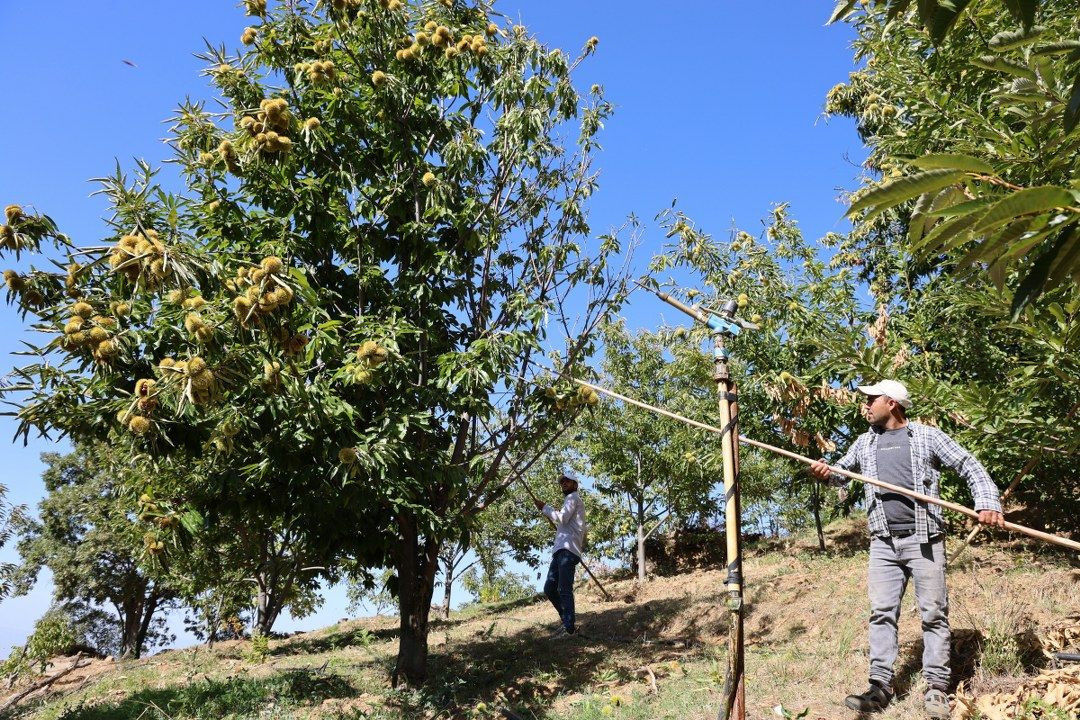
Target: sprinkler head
x,y
727,312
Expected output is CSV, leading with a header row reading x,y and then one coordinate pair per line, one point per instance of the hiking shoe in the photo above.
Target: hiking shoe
x,y
561,633
937,704
873,700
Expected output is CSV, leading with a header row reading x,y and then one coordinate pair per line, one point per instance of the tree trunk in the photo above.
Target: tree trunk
x,y
641,575
271,603
149,608
448,584
277,572
262,606
416,568
129,635
131,618
815,499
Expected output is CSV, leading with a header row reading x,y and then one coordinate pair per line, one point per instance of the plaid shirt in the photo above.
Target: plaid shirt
x,y
930,449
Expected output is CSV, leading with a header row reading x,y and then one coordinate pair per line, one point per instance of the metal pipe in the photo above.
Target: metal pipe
x,y
734,685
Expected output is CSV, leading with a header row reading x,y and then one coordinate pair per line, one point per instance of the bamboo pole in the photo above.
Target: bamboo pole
x,y
587,570
1013,527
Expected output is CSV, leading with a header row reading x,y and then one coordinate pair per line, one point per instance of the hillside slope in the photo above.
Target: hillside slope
x,y
655,651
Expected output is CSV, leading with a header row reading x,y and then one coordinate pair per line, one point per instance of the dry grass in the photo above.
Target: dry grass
x,y
805,626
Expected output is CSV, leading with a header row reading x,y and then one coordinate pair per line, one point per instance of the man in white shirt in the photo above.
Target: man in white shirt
x,y
566,551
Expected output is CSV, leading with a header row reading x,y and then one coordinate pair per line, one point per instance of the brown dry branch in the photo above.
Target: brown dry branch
x,y
646,670
43,683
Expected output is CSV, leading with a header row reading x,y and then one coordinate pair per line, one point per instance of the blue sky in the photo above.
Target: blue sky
x,y
717,103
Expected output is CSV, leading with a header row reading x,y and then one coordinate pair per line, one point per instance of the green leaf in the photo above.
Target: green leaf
x,y
1000,64
1072,111
1046,69
1023,11
1066,259
842,9
955,231
939,16
918,217
896,7
1058,313
954,162
192,521
1000,245
1056,47
1033,284
1012,39
964,208
1024,202
905,188
996,271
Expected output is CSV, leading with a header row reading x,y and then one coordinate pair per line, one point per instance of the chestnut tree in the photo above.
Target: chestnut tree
x,y
331,330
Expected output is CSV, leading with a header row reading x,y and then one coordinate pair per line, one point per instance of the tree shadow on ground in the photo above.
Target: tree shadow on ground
x,y
237,696
363,636
517,663
335,640
527,668
964,652
488,610
964,655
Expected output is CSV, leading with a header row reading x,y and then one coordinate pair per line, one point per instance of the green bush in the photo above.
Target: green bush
x,y
498,587
53,635
1001,652
260,648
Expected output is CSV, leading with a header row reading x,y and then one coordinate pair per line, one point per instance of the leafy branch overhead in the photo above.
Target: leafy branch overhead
x,y
937,16
982,135
962,205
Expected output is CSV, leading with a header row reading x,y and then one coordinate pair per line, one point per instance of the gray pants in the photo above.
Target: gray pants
x,y
892,562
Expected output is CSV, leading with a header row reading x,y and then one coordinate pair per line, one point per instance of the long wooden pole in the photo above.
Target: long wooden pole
x,y
1028,466
587,570
1013,527
1031,463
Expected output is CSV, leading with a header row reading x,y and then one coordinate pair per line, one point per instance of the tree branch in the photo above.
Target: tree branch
x,y
47,682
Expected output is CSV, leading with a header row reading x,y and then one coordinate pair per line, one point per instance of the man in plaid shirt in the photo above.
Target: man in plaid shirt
x,y
907,536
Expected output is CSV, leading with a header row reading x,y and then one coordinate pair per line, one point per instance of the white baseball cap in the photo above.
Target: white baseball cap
x,y
889,388
569,474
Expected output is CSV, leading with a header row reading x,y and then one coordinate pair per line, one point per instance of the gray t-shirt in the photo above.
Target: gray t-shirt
x,y
894,467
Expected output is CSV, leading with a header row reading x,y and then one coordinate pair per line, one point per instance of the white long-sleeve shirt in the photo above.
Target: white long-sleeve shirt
x,y
569,524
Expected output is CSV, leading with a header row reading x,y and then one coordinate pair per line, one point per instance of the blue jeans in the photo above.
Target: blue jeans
x,y
893,561
559,587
